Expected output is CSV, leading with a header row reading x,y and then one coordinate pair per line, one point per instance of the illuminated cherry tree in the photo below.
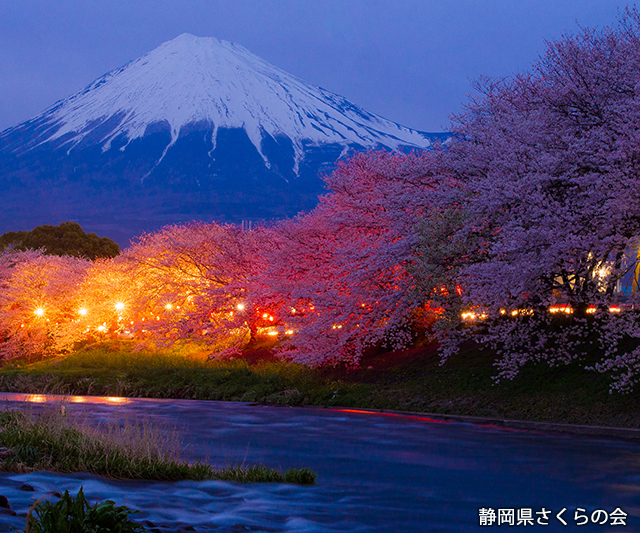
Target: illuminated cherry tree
x,y
191,282
341,270
38,304
546,211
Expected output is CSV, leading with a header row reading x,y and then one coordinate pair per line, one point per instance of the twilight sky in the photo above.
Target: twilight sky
x,y
410,61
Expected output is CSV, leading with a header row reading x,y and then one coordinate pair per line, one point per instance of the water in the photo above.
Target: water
x,y
376,473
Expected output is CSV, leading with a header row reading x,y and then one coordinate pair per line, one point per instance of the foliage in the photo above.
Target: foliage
x,y
66,239
410,380
341,270
60,442
76,515
193,281
248,474
182,283
545,207
38,299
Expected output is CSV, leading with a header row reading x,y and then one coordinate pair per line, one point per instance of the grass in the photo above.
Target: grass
x,y
58,442
409,380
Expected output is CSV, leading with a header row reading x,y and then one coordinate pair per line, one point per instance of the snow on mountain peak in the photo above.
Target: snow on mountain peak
x,y
203,79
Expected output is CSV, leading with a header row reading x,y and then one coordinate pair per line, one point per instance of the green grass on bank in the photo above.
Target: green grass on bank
x,y
59,442
411,380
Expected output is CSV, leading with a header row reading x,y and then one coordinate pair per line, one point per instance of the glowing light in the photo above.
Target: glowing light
x,y
39,311
119,306
240,307
395,415
272,333
102,328
591,309
289,332
82,311
567,310
265,315
468,315
514,312
36,398
77,399
615,309
116,399
168,307
503,311
21,325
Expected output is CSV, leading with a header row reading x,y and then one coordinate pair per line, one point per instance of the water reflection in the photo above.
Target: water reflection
x,y
381,472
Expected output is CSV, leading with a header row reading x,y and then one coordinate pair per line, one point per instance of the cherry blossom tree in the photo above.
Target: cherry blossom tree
x,y
341,270
192,281
546,207
182,283
38,304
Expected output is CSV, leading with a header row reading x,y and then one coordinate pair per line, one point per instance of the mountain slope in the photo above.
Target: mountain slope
x,y
197,128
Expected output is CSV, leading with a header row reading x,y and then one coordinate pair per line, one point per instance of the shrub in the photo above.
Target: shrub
x,y
75,515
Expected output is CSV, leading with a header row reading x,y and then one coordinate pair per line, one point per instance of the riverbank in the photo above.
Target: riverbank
x,y
410,380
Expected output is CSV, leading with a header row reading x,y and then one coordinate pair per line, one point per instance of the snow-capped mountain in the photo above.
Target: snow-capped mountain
x,y
197,128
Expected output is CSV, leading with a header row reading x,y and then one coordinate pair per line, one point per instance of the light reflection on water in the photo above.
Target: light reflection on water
x,y
56,398
386,473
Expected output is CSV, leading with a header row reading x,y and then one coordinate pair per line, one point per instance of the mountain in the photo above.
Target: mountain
x,y
198,128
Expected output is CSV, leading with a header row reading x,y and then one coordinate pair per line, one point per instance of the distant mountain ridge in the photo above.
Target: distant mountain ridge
x,y
198,128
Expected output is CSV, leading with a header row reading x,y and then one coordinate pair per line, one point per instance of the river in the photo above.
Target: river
x,y
376,472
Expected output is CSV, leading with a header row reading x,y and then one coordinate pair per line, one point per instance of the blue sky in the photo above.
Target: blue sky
x,y
411,61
